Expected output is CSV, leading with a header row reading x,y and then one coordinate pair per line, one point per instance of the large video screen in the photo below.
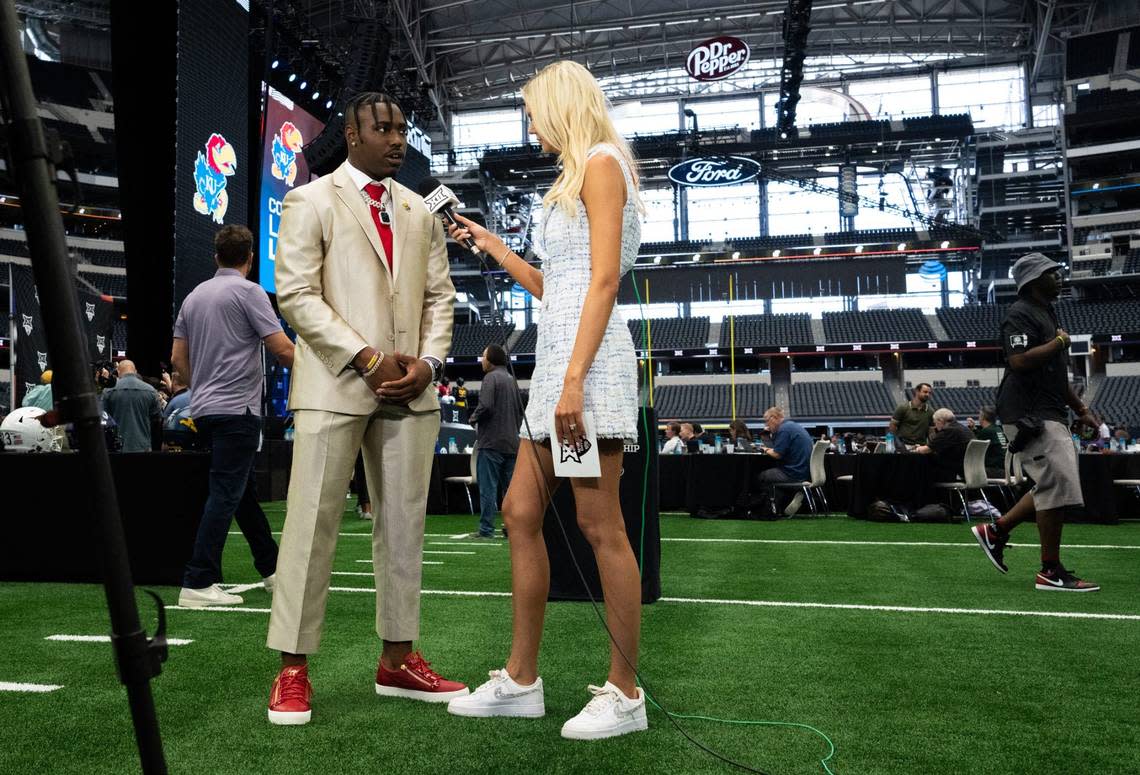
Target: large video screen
x,y
211,163
288,128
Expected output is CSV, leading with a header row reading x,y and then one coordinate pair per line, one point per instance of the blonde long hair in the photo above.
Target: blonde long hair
x,y
571,113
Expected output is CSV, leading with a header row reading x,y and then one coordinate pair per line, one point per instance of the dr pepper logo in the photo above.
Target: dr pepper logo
x,y
717,58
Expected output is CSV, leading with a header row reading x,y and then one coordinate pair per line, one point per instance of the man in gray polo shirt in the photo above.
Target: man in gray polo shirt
x,y
496,421
217,350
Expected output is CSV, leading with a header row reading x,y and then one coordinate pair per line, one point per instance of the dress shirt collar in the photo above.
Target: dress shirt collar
x,y
361,179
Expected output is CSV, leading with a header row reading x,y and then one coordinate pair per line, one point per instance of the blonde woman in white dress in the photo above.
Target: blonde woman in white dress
x,y
585,361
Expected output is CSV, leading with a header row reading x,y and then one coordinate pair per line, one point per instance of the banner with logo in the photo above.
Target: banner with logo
x,y
96,313
717,58
715,171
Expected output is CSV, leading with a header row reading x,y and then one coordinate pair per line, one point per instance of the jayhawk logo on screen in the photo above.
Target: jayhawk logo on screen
x,y
286,145
210,173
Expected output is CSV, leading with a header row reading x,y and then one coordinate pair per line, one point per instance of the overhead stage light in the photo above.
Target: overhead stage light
x,y
735,255
304,85
776,253
275,63
902,246
945,244
328,105
817,251
657,259
858,248
292,77
316,94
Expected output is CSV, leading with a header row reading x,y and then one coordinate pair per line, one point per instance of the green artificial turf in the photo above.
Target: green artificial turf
x,y
899,692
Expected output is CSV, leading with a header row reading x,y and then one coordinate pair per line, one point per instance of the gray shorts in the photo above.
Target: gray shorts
x,y
1050,460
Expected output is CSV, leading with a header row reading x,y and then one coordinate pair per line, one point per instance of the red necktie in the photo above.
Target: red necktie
x,y
376,191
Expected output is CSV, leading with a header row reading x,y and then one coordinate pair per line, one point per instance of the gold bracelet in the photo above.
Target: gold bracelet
x,y
372,368
506,255
1061,339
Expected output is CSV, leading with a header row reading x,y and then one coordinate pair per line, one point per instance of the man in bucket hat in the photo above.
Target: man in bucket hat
x,y
1033,403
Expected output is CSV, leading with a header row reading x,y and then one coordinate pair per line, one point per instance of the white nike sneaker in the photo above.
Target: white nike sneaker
x,y
269,581
609,714
501,696
207,596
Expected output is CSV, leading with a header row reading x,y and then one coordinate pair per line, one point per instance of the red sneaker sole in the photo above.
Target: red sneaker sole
x,y
289,718
415,694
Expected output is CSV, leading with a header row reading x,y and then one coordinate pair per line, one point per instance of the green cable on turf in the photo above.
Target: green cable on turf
x,y
644,494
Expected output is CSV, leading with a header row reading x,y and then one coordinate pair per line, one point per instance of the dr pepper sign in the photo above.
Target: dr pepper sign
x,y
717,58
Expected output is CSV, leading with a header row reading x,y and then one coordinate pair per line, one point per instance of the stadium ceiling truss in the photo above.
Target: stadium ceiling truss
x,y
476,53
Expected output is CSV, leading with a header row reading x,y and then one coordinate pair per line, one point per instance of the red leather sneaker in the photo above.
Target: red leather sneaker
x,y
289,697
416,680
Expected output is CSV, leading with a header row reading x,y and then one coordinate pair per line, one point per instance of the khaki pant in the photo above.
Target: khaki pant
x,y
398,447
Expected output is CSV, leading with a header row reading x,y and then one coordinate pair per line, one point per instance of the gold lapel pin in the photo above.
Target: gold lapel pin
x,y
407,206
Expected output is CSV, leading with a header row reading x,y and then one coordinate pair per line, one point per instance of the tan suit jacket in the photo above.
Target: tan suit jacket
x,y
335,289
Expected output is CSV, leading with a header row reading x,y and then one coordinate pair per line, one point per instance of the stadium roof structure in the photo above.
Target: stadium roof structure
x,y
477,53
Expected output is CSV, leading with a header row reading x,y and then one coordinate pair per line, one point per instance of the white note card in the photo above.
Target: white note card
x,y
579,461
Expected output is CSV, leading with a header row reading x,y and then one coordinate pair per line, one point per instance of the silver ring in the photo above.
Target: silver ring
x,y
573,427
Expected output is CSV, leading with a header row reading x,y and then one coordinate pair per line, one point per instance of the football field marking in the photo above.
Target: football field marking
x,y
107,639
5,686
903,609
811,542
425,562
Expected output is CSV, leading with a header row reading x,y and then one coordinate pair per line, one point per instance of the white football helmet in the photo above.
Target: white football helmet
x,y
21,432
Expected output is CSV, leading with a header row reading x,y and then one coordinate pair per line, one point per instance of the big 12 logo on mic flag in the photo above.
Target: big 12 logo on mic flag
x,y
717,58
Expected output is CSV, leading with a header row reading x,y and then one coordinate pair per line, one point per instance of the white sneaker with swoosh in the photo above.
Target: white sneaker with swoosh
x,y
608,714
501,696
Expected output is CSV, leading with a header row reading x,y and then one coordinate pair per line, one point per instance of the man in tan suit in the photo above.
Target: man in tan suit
x,y
362,276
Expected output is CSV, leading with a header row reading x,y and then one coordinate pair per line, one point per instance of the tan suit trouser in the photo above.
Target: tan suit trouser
x,y
398,447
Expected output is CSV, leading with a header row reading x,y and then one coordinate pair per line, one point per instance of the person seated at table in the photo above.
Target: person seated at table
x,y
791,445
740,436
687,435
911,421
987,429
948,445
696,438
674,445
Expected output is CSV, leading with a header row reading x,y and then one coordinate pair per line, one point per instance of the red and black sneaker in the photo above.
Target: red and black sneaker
x,y
289,697
992,543
1061,580
416,680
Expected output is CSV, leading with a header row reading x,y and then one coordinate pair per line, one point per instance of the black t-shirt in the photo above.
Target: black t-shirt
x,y
1040,392
949,448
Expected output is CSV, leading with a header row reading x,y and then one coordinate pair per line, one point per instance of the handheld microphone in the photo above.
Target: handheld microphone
x,y
438,199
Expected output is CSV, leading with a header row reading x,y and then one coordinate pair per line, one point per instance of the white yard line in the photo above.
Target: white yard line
x,y
907,609
759,604
442,551
425,562
107,639
479,542
352,573
34,688
871,543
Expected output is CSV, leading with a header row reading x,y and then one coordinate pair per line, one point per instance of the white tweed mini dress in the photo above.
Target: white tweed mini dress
x,y
610,389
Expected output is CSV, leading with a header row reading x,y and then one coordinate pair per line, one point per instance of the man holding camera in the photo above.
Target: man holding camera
x,y
1033,403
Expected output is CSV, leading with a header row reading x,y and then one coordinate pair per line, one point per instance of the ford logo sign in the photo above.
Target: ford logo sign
x,y
715,171
717,58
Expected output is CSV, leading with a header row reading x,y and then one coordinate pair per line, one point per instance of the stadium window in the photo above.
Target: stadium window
x,y
816,106
722,212
743,112
793,210
893,98
993,96
657,225
646,118
487,127
1046,115
895,193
